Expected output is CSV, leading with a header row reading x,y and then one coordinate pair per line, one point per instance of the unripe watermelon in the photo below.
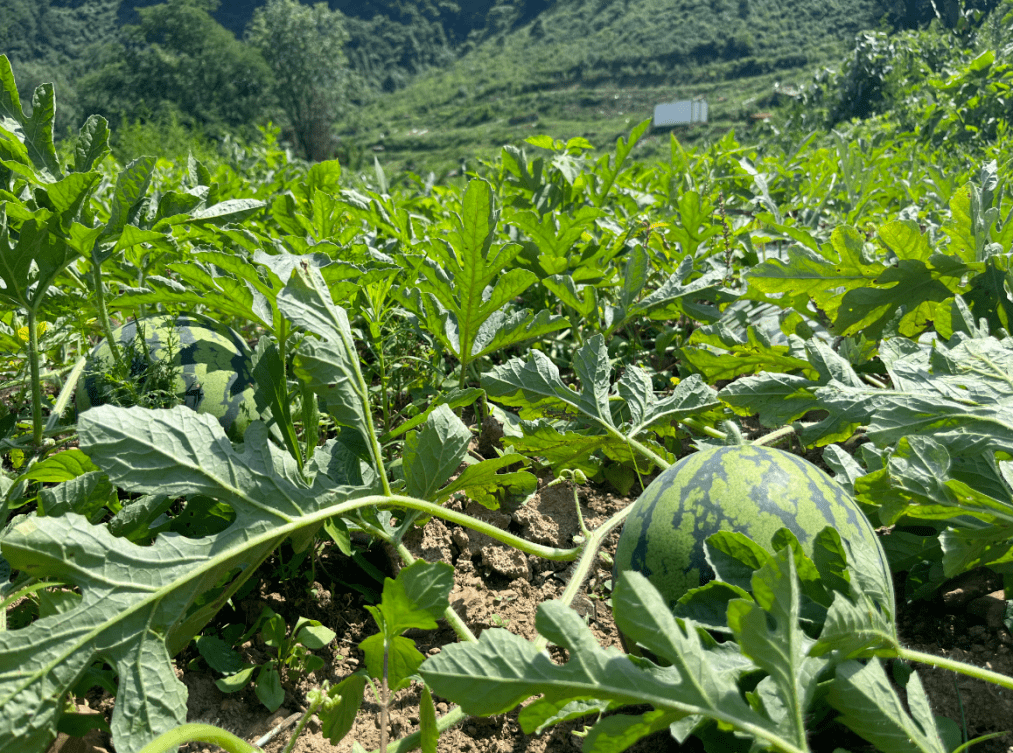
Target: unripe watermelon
x,y
746,488
214,369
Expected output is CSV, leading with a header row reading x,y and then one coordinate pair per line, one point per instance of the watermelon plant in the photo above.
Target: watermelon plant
x,y
54,214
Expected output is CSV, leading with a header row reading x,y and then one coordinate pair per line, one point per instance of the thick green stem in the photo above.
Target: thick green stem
x,y
103,312
528,547
873,381
310,711
385,698
775,436
315,519
583,567
310,421
710,431
199,733
643,449
33,366
766,439
451,719
985,675
384,396
584,530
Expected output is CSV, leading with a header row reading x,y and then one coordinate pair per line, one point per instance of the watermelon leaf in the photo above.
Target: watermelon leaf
x,y
783,398
700,682
615,734
607,168
870,706
328,363
957,391
34,255
502,669
582,298
943,428
816,275
734,557
856,628
459,296
453,398
768,632
678,296
131,185
555,235
707,605
137,606
483,483
224,212
234,284
33,136
199,285
433,453
536,388
560,450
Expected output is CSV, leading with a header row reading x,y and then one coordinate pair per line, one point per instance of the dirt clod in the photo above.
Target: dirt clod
x,y
506,561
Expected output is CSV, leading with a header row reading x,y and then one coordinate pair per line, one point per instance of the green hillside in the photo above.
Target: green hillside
x,y
642,42
592,68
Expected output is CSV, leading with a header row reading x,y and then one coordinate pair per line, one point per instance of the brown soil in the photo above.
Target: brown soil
x,y
497,587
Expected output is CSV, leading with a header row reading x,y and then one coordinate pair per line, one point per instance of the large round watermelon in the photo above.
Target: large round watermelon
x,y
746,488
214,371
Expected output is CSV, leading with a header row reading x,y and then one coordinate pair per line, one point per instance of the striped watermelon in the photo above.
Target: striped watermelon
x,y
746,488
214,367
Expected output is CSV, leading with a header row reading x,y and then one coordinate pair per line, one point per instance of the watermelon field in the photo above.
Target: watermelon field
x,y
295,458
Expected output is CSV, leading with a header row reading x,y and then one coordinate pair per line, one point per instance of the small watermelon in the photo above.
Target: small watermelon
x,y
747,488
215,370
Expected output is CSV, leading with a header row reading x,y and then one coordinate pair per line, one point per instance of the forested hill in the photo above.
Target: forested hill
x,y
392,40
458,20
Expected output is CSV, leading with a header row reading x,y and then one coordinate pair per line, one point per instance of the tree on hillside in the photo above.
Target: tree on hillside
x,y
178,60
304,47
47,41
19,21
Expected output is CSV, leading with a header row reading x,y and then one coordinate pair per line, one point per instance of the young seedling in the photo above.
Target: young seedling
x,y
293,652
415,599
